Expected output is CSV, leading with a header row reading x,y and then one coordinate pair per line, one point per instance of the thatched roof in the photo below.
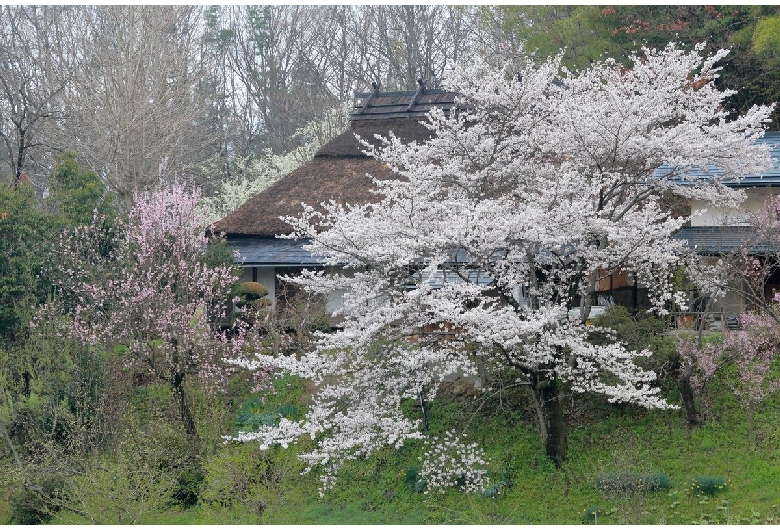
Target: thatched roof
x,y
323,179
339,170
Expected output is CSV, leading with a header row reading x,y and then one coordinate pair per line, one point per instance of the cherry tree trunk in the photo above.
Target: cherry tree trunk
x,y
549,400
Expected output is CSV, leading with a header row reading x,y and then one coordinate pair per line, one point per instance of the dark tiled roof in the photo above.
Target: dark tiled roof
x,y
283,252
403,104
272,252
723,239
770,177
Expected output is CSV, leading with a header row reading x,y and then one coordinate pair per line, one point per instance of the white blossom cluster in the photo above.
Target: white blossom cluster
x,y
449,462
254,174
545,180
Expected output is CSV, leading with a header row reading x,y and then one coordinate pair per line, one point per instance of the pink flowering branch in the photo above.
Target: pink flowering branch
x,y
143,287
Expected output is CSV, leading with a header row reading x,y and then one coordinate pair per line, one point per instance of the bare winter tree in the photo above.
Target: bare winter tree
x,y
396,45
285,66
36,64
152,91
137,101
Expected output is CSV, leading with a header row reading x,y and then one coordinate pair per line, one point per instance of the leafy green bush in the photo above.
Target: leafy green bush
x,y
255,413
638,332
187,486
241,479
251,290
413,479
627,481
706,485
30,505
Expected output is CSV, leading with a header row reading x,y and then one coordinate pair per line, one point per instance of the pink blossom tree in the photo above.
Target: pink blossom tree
x,y
145,290
482,256
748,269
699,361
752,352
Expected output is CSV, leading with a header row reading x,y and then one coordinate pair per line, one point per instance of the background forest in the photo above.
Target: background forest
x,y
107,115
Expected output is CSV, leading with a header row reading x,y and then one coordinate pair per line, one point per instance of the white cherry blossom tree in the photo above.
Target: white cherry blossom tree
x,y
542,179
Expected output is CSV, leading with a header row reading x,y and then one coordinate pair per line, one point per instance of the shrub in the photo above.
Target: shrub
x,y
122,489
251,290
187,486
706,485
241,478
30,506
254,413
591,514
449,462
413,479
627,481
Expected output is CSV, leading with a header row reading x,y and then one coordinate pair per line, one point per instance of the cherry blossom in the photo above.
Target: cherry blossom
x,y
541,179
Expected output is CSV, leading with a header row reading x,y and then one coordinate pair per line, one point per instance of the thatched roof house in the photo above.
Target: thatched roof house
x,y
338,172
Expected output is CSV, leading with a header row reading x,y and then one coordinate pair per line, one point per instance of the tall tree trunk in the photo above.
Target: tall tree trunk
x,y
548,396
20,157
687,393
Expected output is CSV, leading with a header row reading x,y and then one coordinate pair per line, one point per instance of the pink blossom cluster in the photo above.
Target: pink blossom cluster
x,y
755,351
142,288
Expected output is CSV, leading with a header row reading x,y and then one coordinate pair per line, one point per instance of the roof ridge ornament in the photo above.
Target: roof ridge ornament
x,y
420,90
376,86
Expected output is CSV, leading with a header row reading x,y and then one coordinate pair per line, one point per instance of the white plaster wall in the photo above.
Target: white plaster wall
x,y
719,216
335,299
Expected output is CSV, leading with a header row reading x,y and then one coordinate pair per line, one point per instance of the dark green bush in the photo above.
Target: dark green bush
x,y
254,413
500,481
412,478
638,332
188,484
32,504
706,485
630,482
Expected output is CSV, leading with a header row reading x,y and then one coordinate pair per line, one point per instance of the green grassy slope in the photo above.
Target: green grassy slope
x,y
603,439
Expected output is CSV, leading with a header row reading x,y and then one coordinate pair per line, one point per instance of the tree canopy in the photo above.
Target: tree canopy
x,y
482,256
589,33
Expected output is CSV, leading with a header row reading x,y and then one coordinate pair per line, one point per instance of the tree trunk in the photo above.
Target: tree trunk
x,y
687,395
184,407
20,157
548,396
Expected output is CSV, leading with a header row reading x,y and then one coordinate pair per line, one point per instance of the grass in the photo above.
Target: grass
x,y
375,491
603,439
